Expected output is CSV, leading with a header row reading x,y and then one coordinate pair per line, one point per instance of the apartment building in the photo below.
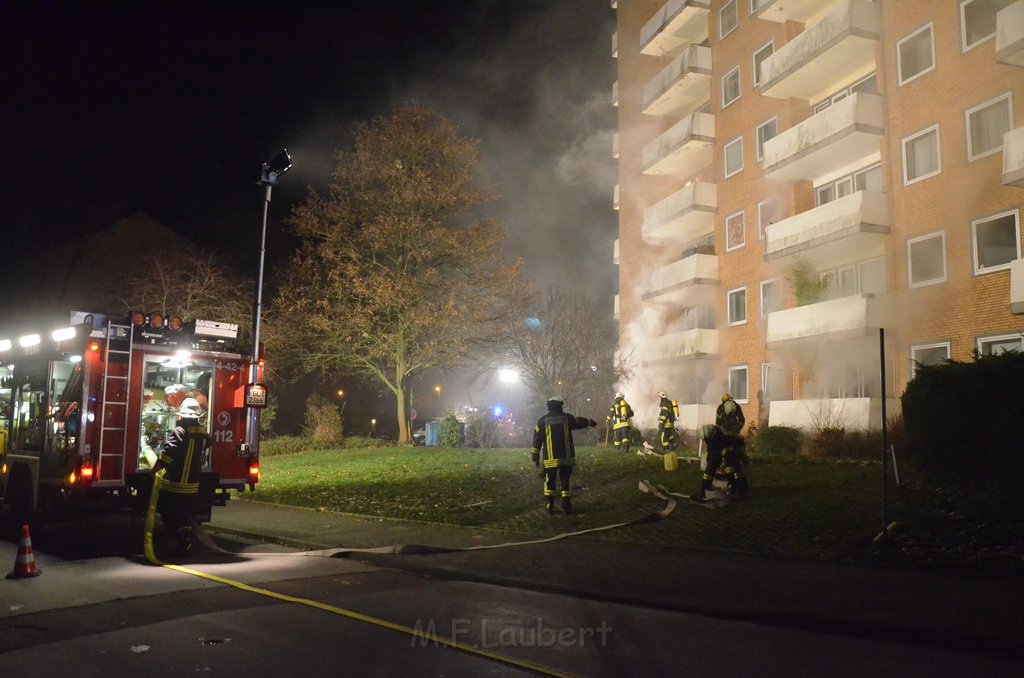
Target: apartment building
x,y
797,175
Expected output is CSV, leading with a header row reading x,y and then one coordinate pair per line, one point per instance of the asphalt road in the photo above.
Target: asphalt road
x,y
264,610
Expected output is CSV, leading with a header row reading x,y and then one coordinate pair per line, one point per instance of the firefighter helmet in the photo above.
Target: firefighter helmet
x,y
726,396
662,394
620,394
190,408
555,402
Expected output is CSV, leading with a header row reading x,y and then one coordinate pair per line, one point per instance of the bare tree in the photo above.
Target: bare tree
x,y
566,347
397,273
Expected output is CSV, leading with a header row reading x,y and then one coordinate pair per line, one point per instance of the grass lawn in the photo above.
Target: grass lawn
x,y
798,507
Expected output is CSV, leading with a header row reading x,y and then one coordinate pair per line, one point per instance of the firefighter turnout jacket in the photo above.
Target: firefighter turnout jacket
x,y
182,456
552,437
620,414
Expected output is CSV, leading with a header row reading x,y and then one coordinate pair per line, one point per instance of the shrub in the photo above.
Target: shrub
x,y
287,445
451,433
775,440
962,419
268,416
351,442
323,420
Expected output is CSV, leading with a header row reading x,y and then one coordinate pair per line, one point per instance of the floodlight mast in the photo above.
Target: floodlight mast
x,y
270,172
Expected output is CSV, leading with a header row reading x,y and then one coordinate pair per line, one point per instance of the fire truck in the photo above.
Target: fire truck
x,y
85,409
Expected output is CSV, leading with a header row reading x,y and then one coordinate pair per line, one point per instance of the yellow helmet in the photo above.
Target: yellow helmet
x,y
726,396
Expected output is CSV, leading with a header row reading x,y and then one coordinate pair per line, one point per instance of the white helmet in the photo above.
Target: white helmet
x,y
619,394
190,407
662,394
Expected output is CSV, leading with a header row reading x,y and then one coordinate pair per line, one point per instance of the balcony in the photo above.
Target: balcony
x,y
835,50
615,145
1013,157
683,283
854,414
615,45
842,134
615,197
692,416
683,149
615,93
615,307
854,316
1017,287
686,215
688,344
828,234
675,25
781,11
615,252
682,85
1010,34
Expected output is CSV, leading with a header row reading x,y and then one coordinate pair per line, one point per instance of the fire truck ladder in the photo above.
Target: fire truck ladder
x,y
117,362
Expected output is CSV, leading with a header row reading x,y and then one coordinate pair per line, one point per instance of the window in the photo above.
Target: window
x,y
866,85
871,275
738,383
986,125
728,19
764,132
996,241
978,21
1003,344
928,354
776,382
921,155
737,306
759,57
915,55
767,213
771,296
867,179
926,260
839,282
734,157
735,231
731,86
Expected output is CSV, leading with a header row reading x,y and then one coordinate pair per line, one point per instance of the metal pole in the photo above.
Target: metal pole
x,y
253,418
885,436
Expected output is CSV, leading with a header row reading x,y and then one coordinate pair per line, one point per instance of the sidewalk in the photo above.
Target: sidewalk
x,y
969,613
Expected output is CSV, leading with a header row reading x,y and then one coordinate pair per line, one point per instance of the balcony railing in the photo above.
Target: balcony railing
x,y
827,234
853,316
615,197
687,344
1010,34
615,307
1013,157
839,136
833,51
686,215
853,414
1017,286
615,252
683,283
683,85
683,149
675,25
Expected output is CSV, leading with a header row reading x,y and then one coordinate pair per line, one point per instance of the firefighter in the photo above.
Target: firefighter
x,y
729,415
619,417
726,450
552,438
667,413
182,457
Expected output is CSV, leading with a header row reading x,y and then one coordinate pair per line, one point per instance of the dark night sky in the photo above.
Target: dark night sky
x,y
171,109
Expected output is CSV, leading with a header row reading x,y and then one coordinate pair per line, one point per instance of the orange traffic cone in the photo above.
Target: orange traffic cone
x,y
25,563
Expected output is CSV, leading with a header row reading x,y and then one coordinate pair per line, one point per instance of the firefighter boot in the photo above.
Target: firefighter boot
x,y
566,505
701,495
184,547
741,486
551,506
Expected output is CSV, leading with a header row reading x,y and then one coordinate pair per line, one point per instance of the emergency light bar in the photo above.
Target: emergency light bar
x,y
212,328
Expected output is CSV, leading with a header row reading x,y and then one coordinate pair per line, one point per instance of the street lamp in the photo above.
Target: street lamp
x,y
269,174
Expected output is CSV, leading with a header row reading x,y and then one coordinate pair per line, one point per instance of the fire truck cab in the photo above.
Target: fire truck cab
x,y
84,411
